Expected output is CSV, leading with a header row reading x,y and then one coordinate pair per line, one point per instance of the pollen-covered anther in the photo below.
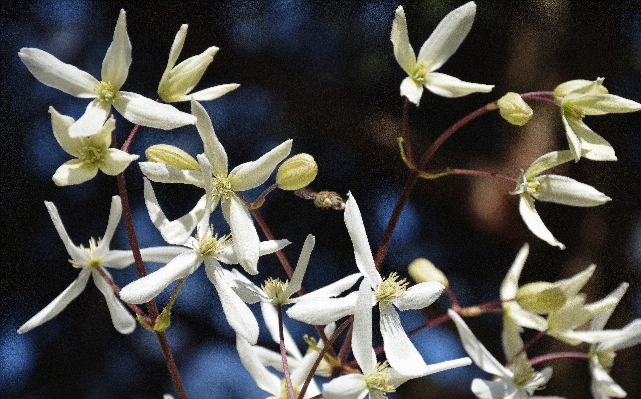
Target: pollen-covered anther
x,y
91,154
378,379
93,261
209,245
391,288
533,186
222,186
106,92
420,73
274,288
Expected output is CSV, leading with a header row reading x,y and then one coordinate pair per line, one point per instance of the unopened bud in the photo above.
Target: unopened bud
x,y
422,270
514,110
172,156
296,172
540,297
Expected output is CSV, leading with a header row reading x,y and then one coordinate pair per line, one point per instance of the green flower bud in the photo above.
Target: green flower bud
x,y
172,156
540,297
514,110
422,270
296,172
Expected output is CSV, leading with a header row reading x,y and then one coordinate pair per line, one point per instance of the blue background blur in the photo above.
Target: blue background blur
x,y
322,73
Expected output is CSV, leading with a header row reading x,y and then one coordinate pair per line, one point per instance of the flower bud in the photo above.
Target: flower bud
x,y
540,297
172,156
296,172
422,270
514,110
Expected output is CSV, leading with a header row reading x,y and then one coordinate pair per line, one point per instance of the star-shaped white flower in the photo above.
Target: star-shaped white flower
x,y
92,153
178,81
579,98
206,247
115,67
552,188
89,260
224,186
437,49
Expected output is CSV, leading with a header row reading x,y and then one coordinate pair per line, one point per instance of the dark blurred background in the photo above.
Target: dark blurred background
x,y
323,74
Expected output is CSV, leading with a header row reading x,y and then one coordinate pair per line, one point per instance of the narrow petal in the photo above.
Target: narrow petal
x,y
146,112
54,73
146,288
75,171
119,259
449,86
174,53
420,296
161,173
548,161
60,125
348,386
511,281
601,104
116,161
322,311
567,191
57,305
629,336
573,139
593,146
603,386
238,315
246,290
213,93
334,289
412,90
115,212
77,254
214,150
243,232
479,354
270,317
399,350
501,388
252,174
115,65
362,250
92,121
447,37
122,320
362,329
534,223
403,50
263,378
229,257
297,279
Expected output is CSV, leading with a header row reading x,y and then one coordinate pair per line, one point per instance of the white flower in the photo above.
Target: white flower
x,y
519,381
206,247
436,50
552,188
178,81
584,97
89,260
603,353
92,153
115,67
225,185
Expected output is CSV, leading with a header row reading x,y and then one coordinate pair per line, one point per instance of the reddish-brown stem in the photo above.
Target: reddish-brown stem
x,y
171,365
558,355
342,354
132,134
283,355
261,198
527,346
116,289
450,294
472,172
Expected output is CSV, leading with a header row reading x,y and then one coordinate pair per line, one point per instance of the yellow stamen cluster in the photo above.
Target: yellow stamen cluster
x,y
94,262
532,186
209,245
378,379
106,92
275,289
91,154
391,288
222,186
420,73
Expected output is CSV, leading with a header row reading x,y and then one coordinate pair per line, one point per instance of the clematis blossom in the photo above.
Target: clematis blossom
x,y
437,49
89,260
552,188
115,67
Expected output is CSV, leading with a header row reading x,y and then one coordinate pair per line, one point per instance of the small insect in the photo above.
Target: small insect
x,y
322,199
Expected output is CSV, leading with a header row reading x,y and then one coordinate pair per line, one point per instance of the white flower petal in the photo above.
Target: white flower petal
x,y
420,296
573,139
593,146
600,319
297,279
75,171
548,161
92,121
246,290
348,386
403,50
322,311
412,90
116,161
60,125
115,65
146,288
77,254
174,52
54,73
332,290
362,329
448,36
214,150
146,112
58,304
567,191
534,222
115,212
243,232
122,320
252,174
228,256
362,250
213,93
603,386
449,86
119,259
263,378
601,104
630,335
238,315
399,350
161,173
511,281
497,389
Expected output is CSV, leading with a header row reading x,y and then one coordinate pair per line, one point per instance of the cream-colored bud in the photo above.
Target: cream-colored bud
x,y
172,156
514,110
296,172
422,270
540,297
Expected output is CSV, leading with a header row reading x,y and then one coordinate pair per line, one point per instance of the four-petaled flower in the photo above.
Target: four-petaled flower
x,y
552,188
436,50
115,67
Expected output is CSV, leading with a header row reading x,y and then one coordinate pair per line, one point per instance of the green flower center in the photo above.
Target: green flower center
x,y
391,288
222,186
106,92
275,289
90,155
572,112
378,379
209,245
420,73
94,262
532,186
